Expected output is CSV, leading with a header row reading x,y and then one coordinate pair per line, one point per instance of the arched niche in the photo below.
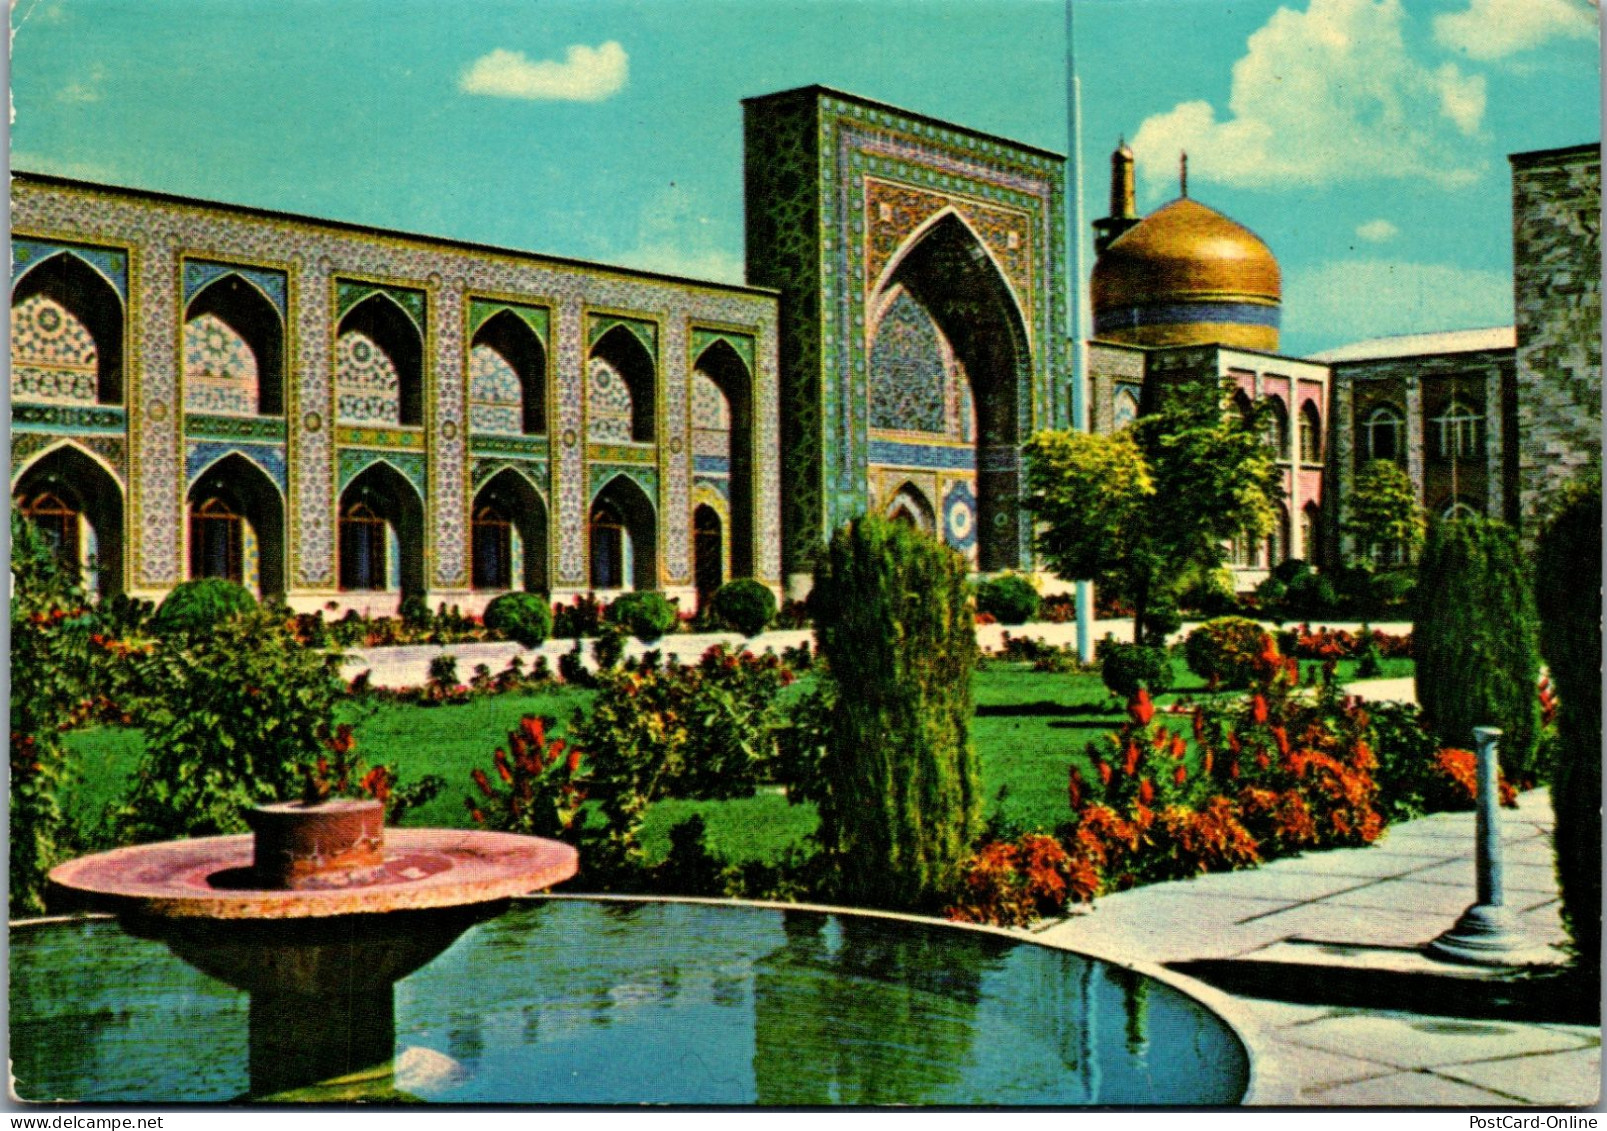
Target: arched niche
x,y
66,334
625,412
233,350
379,365
237,526
910,505
381,533
708,551
508,377
947,270
731,380
78,505
624,537
509,535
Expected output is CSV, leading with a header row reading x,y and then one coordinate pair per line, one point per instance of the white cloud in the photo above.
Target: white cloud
x,y
1378,231
676,234
84,90
587,74
1321,96
1494,29
1352,300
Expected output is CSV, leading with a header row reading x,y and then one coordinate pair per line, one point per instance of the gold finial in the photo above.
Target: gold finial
x,y
1183,172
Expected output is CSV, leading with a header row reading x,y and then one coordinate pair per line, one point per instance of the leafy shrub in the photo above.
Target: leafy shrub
x,y
539,787
1014,884
1391,591
1311,595
1272,594
900,800
1289,569
704,732
195,606
581,617
1223,651
1474,640
235,713
744,605
1127,667
336,772
1009,599
1162,619
645,614
522,617
572,666
415,612
1210,594
1569,556
609,647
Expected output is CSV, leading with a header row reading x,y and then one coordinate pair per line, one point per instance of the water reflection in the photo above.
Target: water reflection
x,y
598,1002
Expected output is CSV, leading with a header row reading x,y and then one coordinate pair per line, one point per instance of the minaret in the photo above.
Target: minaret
x,y
1123,203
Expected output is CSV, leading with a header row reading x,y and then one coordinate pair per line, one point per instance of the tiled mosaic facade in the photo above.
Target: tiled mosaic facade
x,y
1556,238
852,199
367,386
496,393
53,356
609,410
158,252
220,370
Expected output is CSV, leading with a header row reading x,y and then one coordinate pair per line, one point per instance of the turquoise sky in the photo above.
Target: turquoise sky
x,y
1365,140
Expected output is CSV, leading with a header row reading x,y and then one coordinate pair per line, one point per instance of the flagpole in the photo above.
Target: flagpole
x,y
1079,308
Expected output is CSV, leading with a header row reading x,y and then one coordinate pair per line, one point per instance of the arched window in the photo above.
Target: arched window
x,y
1246,551
507,378
58,520
1278,427
910,506
493,549
1459,429
723,442
1125,408
1243,406
1311,533
216,541
509,535
623,538
608,548
233,348
237,518
379,365
66,335
1310,434
1459,510
1278,539
363,559
708,551
621,389
1384,434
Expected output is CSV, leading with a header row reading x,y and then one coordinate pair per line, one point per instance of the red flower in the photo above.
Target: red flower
x,y
1104,772
501,759
1130,765
1281,737
1074,789
1161,735
1258,708
1141,709
482,782
1179,747
1146,792
1181,775
574,758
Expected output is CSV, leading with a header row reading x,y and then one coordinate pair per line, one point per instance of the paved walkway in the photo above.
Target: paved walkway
x,y
409,666
1323,952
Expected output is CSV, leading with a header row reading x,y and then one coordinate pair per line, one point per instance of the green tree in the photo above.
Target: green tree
x,y
1140,510
1569,559
900,797
1382,514
1474,641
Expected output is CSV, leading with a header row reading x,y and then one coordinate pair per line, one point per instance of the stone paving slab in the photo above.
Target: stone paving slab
x,y
1515,877
1409,1089
1562,1078
1376,862
1276,885
1412,1041
1423,898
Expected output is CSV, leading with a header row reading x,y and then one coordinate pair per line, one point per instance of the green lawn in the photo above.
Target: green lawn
x,y
1028,728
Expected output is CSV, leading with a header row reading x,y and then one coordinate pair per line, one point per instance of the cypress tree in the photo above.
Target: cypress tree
x,y
902,791
1474,641
1569,559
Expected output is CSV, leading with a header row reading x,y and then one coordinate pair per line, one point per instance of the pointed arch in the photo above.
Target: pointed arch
x,y
1278,426
236,525
731,375
708,551
381,532
65,283
78,502
387,387
622,356
950,271
910,504
1310,433
624,537
212,359
509,534
508,376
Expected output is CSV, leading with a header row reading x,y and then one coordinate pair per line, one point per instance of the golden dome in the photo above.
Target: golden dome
x,y
1187,274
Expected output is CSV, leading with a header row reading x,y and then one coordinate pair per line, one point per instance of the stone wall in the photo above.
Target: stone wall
x,y
1556,237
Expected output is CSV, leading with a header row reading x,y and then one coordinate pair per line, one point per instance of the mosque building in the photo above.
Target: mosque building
x,y
340,415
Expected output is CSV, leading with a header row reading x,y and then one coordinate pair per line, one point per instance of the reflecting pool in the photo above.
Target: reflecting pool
x,y
600,1002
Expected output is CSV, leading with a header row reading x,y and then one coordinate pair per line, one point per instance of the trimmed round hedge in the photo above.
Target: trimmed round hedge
x,y
1222,651
645,615
195,606
744,605
1009,599
525,618
1125,667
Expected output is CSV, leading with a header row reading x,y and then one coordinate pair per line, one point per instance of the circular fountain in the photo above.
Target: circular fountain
x,y
316,915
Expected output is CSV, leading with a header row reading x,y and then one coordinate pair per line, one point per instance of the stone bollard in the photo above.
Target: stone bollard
x,y
1488,933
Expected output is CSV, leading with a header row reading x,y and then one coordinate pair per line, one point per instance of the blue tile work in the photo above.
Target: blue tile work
x,y
199,274
1186,313
908,374
959,517
199,455
935,456
711,465
353,461
53,354
220,371
110,262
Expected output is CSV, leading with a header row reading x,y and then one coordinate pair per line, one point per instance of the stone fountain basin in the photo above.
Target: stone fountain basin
x,y
213,877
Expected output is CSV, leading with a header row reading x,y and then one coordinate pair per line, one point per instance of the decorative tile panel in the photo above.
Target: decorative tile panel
x,y
202,454
220,370
111,262
53,355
